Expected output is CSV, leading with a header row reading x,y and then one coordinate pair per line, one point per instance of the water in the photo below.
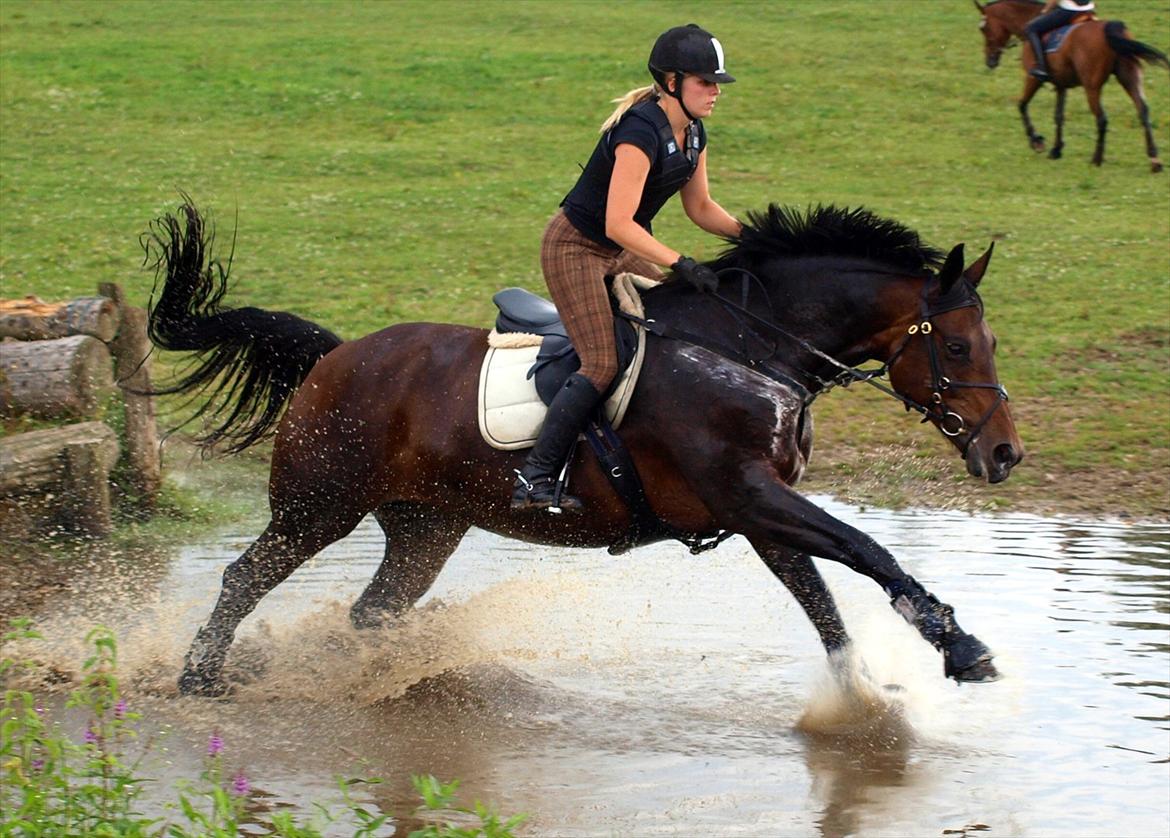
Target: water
x,y
665,694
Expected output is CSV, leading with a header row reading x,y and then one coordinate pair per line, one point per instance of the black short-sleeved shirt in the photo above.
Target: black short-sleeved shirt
x,y
645,126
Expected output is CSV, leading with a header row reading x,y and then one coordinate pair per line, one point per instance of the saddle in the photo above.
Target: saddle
x,y
1053,39
528,359
530,355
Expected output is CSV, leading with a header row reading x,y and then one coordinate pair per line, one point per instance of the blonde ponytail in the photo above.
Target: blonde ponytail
x,y
624,103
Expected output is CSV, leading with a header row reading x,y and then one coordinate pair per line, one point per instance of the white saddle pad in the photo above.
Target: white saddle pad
x,y
510,410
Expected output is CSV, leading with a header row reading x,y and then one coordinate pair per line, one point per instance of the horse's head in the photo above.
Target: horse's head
x,y
996,34
946,364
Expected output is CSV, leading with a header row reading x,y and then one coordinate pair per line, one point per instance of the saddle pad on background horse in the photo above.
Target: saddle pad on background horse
x,y
510,409
1054,39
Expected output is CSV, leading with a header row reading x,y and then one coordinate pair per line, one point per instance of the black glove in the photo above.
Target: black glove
x,y
700,277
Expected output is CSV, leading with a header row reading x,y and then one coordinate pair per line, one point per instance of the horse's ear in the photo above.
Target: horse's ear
x,y
975,272
977,6
952,269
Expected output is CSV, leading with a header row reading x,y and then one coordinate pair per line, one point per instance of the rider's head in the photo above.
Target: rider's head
x,y
687,51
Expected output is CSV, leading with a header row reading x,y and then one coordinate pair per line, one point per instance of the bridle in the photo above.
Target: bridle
x,y
948,421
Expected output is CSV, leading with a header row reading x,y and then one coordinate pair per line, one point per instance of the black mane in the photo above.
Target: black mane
x,y
788,233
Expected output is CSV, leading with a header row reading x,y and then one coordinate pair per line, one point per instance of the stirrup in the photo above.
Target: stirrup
x,y
541,493
1040,74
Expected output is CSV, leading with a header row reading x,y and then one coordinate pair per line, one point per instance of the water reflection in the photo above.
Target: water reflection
x,y
663,694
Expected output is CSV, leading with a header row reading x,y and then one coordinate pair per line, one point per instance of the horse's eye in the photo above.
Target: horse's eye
x,y
956,348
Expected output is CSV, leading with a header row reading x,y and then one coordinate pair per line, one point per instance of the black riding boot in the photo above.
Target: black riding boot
x,y
1040,70
536,482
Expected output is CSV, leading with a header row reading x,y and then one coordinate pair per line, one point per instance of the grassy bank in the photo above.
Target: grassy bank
x,y
397,161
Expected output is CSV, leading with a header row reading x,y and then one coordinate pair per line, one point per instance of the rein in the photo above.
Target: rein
x,y
949,422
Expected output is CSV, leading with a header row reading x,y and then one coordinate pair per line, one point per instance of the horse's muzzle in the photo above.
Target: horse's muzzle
x,y
993,61
997,467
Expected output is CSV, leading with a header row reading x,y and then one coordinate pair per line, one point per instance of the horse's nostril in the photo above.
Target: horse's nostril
x,y
1005,455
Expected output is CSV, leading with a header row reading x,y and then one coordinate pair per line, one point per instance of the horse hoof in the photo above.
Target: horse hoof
x,y
1038,145
983,672
1155,166
1054,154
192,683
967,659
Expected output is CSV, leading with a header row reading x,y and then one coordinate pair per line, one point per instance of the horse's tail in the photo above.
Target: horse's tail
x,y
1122,44
247,361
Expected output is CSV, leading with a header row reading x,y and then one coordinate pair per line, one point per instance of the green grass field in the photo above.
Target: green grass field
x,y
391,161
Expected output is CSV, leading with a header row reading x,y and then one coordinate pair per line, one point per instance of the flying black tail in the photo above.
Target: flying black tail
x,y
1122,44
247,361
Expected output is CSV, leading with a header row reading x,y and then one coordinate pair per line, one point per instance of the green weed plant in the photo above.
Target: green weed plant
x,y
51,785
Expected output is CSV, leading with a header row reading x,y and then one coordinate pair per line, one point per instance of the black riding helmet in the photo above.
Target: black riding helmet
x,y
687,49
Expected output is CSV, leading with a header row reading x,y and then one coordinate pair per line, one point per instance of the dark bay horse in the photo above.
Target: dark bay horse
x,y
720,433
1091,52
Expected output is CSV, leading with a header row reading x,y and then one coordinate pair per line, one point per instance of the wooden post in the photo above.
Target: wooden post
x,y
131,350
74,461
51,379
33,319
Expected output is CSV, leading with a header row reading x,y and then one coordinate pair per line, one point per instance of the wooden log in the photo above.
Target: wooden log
x,y
34,319
51,379
131,350
71,464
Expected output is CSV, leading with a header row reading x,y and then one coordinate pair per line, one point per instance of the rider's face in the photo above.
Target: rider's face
x,y
699,95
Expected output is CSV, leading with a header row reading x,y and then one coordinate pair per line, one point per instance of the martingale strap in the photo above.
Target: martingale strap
x,y
645,525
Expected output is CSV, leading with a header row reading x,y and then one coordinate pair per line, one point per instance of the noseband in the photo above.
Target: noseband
x,y
948,421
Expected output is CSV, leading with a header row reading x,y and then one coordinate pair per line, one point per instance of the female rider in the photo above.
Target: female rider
x,y
652,146
1055,14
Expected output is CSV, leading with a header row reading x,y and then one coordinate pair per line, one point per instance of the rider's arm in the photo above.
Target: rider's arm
x,y
702,209
631,166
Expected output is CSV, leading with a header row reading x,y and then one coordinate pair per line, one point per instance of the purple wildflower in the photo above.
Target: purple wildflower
x,y
214,745
240,785
120,709
37,766
91,737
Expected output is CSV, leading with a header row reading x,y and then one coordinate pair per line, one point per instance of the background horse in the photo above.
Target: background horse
x,y
1092,51
387,423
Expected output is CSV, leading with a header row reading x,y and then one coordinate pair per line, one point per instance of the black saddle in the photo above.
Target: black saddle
x,y
523,311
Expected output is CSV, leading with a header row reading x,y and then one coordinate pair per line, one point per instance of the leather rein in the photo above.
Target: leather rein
x,y
948,421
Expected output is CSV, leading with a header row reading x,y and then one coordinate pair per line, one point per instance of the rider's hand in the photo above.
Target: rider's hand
x,y
700,277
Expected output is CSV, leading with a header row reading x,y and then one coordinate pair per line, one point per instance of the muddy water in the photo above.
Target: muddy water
x,y
666,694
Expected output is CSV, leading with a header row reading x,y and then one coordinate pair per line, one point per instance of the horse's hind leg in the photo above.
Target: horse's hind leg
x,y
419,540
1129,73
269,561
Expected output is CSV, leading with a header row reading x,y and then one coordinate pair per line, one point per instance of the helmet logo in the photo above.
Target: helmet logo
x,y
718,56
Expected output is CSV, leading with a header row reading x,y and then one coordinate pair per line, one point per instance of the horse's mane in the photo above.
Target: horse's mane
x,y
1025,2
788,232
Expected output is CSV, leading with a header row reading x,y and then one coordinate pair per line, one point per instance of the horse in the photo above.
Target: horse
x,y
719,432
1092,51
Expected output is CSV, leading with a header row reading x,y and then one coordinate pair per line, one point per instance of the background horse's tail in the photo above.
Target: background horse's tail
x,y
1122,44
247,361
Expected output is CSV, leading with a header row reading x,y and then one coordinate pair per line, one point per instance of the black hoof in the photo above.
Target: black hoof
x,y
1054,154
968,660
193,683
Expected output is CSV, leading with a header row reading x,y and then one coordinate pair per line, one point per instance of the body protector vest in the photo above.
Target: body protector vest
x,y
646,126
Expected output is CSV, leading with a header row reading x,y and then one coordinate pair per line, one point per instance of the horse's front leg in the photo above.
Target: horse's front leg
x,y
771,512
801,577
1031,85
1058,114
